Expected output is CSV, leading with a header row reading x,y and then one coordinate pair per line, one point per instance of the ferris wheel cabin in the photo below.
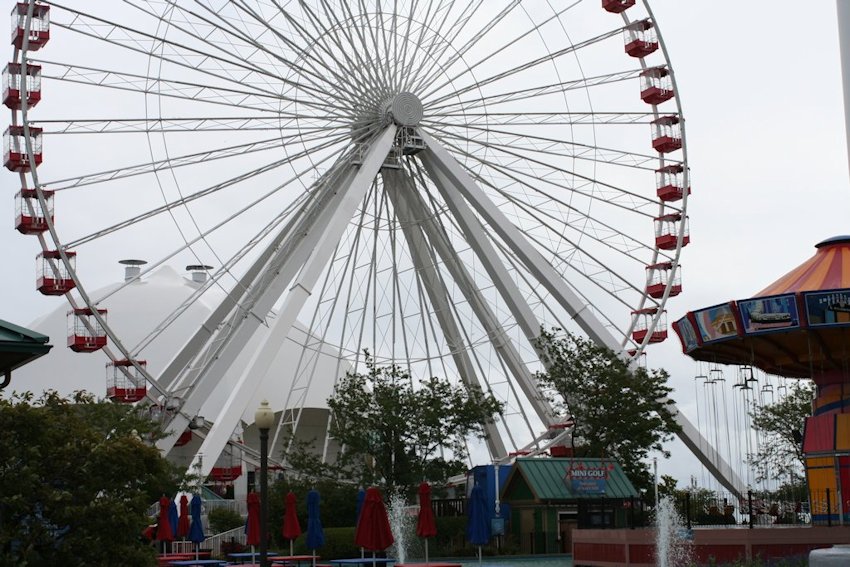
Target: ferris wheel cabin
x,y
640,38
670,183
30,216
656,85
666,134
658,277
125,382
85,333
667,231
53,277
15,156
14,86
642,325
39,26
617,6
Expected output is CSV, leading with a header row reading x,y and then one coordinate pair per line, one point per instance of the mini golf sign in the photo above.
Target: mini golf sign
x,y
588,479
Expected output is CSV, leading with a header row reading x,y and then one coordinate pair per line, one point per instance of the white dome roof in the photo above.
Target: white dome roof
x,y
140,307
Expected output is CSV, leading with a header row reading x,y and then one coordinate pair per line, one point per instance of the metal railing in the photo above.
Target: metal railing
x,y
212,543
754,509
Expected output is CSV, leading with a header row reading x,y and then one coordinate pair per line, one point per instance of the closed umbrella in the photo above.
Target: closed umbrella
x,y
477,524
291,528
361,496
173,518
164,533
196,530
315,533
252,523
183,522
426,524
373,530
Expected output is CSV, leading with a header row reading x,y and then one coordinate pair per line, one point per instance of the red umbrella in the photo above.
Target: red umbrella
x,y
373,531
291,528
426,525
252,526
163,529
183,522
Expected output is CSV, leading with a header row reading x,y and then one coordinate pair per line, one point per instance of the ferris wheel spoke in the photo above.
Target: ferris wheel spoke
x,y
341,35
509,74
544,144
633,201
369,63
491,53
163,125
226,50
310,73
535,92
185,200
441,41
463,119
585,226
349,74
188,58
193,159
182,90
458,54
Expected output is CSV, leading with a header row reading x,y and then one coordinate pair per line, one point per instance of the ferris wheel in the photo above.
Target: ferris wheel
x,y
430,182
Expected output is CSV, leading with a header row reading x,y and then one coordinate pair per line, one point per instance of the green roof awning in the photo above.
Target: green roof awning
x,y
551,479
18,346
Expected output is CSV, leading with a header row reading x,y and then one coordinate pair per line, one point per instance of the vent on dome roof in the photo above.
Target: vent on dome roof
x,y
132,268
199,272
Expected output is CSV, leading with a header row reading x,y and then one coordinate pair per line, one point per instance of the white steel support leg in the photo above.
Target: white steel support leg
x,y
208,328
261,359
498,337
441,165
437,158
267,287
843,13
395,186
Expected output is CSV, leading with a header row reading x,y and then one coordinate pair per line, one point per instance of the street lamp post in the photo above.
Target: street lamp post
x,y
264,419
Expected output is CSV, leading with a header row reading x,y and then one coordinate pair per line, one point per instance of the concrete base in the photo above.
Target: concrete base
x,y
612,548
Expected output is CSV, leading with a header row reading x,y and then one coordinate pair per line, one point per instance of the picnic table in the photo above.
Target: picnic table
x,y
199,562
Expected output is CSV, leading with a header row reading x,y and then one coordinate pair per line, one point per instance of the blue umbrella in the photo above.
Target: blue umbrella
x,y
196,531
361,497
315,533
173,518
477,523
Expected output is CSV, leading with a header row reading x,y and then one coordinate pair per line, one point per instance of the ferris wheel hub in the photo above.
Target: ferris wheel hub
x,y
405,109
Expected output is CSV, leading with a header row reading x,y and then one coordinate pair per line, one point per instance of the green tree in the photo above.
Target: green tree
x,y
780,451
396,435
620,413
77,481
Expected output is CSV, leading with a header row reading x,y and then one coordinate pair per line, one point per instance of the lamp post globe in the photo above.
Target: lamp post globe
x,y
264,419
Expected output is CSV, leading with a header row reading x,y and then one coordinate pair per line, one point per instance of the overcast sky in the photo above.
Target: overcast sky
x,y
760,85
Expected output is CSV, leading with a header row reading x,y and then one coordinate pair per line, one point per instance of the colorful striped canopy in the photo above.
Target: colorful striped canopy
x,y
829,268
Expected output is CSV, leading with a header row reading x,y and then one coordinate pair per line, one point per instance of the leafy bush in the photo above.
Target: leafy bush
x,y
222,520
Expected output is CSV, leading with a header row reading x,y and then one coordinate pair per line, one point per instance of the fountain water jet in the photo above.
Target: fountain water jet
x,y
403,525
672,544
